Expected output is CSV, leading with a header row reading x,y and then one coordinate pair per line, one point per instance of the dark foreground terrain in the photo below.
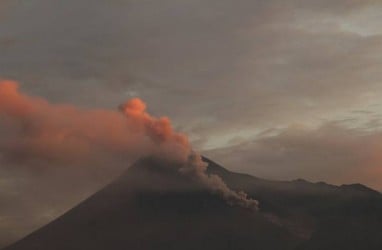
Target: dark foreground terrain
x,y
153,207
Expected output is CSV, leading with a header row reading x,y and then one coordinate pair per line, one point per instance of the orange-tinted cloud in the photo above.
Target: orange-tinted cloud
x,y
37,128
37,133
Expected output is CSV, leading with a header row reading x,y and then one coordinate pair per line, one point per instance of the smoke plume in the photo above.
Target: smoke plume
x,y
36,133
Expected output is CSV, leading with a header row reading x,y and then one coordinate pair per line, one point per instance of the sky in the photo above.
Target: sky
x,y
277,89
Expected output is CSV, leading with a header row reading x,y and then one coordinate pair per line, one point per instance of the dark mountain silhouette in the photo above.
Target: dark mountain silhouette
x,y
152,206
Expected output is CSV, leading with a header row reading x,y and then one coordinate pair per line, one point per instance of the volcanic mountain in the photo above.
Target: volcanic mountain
x,y
152,206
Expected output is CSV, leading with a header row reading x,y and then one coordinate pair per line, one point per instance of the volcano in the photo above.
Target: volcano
x,y
152,206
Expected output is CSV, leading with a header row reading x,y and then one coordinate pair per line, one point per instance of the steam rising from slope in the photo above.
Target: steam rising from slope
x,y
38,133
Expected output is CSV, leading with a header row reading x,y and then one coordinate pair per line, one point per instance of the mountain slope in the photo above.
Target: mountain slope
x,y
153,207
347,217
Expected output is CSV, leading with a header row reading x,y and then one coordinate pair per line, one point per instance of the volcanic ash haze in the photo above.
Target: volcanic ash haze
x,y
36,134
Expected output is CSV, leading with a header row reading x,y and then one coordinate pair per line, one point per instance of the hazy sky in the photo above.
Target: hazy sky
x,y
278,89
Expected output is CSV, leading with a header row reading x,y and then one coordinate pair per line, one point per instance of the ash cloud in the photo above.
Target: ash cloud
x,y
39,135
